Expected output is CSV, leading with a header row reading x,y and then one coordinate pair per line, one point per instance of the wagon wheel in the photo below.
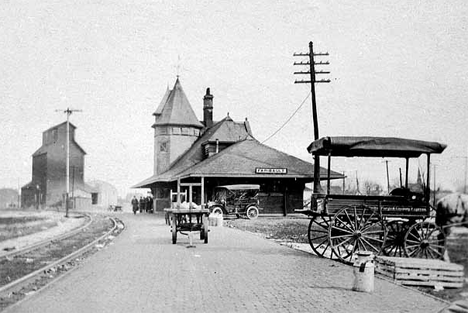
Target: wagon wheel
x,y
425,240
355,229
394,243
252,213
174,229
318,236
205,229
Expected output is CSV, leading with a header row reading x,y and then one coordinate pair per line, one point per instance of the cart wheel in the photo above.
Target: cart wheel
x,y
355,229
174,230
394,244
318,236
252,213
205,231
425,240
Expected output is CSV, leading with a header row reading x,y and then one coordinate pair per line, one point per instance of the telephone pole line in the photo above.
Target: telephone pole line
x,y
312,81
68,111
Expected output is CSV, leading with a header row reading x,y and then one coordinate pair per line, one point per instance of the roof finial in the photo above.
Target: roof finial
x,y
178,66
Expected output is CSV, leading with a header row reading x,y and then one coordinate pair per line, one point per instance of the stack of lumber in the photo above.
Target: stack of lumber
x,y
420,272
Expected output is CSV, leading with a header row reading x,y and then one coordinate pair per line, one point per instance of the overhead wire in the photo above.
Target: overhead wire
x,y
288,120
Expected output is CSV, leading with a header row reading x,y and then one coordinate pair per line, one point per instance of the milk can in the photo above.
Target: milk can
x,y
220,220
364,272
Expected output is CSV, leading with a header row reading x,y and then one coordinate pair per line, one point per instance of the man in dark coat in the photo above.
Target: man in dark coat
x,y
134,205
142,204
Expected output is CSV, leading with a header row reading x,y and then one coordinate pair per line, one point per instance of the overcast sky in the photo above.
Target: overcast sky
x,y
398,68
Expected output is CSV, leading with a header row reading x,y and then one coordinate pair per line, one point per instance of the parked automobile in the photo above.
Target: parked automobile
x,y
239,200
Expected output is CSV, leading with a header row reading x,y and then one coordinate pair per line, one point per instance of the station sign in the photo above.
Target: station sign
x,y
266,170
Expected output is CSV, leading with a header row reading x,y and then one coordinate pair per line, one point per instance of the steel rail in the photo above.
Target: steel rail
x,y
80,251
49,240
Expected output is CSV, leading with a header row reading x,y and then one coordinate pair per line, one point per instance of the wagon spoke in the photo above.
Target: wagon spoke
x,y
414,236
344,224
362,219
349,220
371,245
322,242
437,252
341,236
412,246
342,229
373,238
437,246
343,242
319,237
428,230
379,231
355,246
413,252
429,253
413,241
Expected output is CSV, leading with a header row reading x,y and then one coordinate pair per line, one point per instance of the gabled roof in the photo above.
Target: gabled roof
x,y
241,160
243,157
44,148
59,125
177,110
227,130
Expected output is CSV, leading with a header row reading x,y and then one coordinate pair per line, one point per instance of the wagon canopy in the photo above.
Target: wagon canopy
x,y
373,147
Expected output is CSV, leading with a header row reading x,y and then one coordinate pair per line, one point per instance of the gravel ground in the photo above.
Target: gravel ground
x,y
63,225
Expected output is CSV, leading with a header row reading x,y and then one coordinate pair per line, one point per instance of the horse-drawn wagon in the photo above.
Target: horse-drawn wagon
x,y
397,224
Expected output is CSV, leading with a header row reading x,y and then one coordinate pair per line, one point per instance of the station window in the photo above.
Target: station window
x,y
176,130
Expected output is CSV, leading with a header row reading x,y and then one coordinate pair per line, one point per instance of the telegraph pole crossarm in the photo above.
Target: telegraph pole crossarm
x,y
68,111
311,63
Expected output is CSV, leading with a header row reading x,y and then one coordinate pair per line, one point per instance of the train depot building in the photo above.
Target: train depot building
x,y
193,157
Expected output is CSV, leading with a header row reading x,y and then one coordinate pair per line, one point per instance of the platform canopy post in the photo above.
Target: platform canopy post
x,y
178,192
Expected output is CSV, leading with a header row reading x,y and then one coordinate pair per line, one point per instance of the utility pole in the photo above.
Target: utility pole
x,y
312,81
435,188
68,111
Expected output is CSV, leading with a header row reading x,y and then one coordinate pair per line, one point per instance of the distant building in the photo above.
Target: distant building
x,y
9,198
199,156
103,194
48,184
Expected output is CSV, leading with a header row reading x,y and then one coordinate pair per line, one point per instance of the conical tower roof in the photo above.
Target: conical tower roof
x,y
177,110
163,102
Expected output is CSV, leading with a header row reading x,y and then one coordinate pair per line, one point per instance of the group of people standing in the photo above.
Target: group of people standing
x,y
144,204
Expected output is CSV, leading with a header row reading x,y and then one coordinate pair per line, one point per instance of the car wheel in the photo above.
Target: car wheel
x,y
252,213
217,211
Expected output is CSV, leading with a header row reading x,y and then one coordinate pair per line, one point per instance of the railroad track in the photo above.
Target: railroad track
x,y
45,242
26,270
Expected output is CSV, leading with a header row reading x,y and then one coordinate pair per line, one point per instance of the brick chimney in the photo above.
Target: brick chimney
x,y
208,109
